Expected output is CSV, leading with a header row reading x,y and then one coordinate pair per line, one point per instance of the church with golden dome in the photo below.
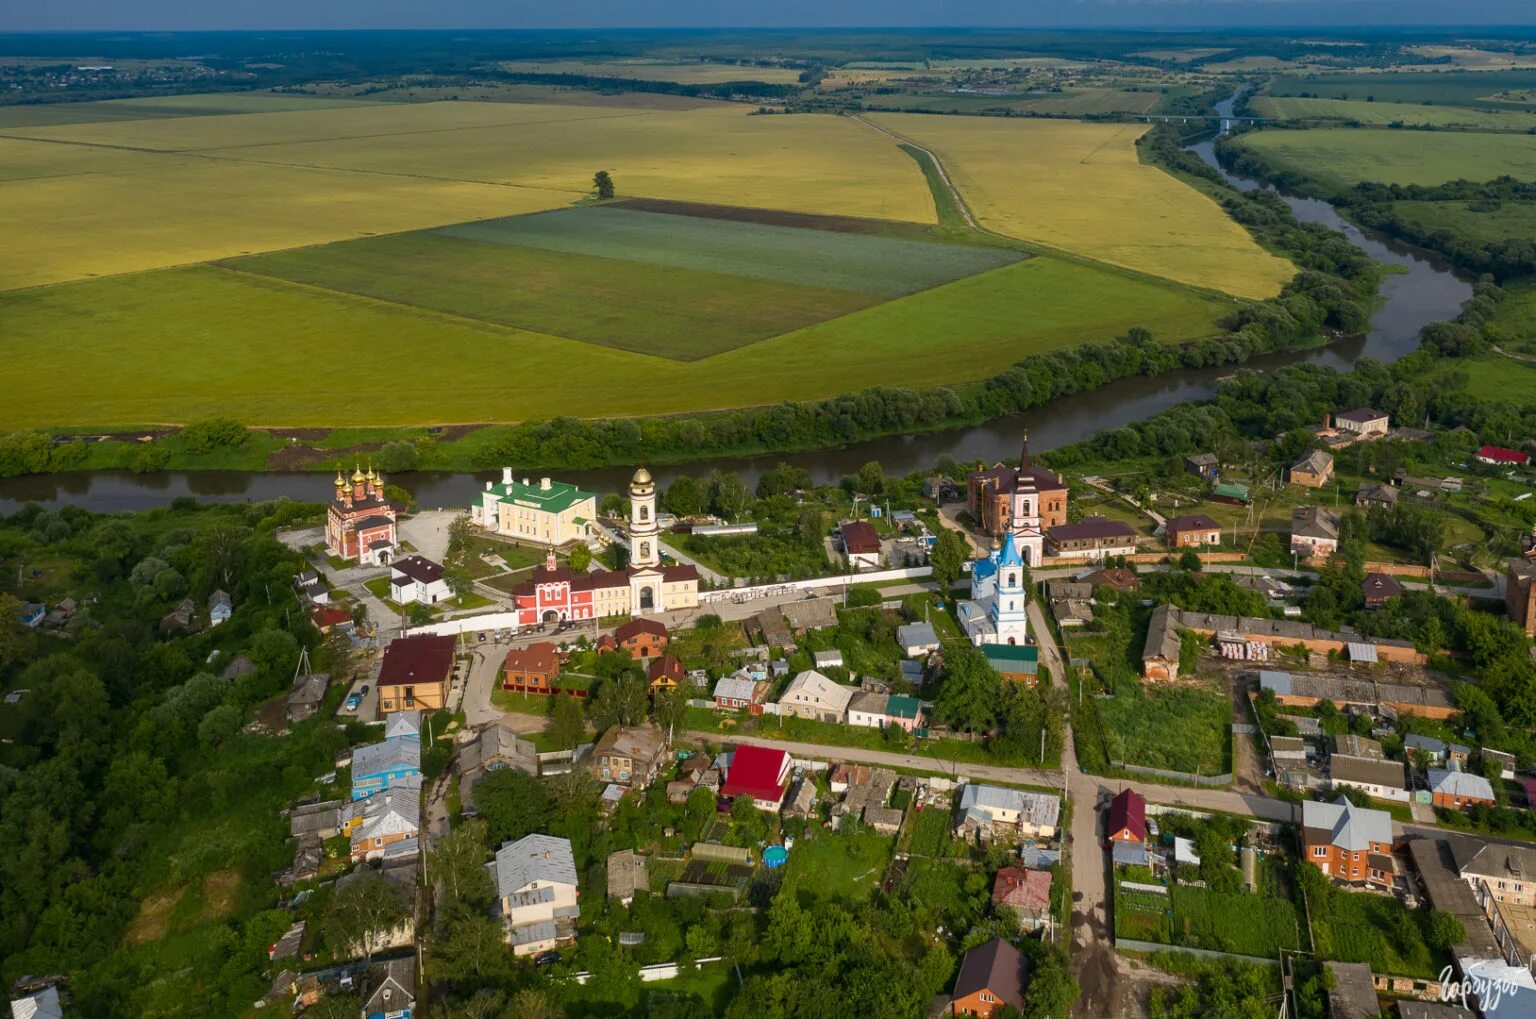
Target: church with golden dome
x,y
360,522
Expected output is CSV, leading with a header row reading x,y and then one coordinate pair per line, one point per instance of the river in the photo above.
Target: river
x,y
1424,291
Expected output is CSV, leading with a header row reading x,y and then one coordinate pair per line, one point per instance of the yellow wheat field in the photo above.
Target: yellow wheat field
x,y
1080,187
90,199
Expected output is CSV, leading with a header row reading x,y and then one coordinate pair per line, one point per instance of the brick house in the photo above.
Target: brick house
x,y
1192,531
1378,588
642,638
739,691
629,755
992,975
532,669
1347,842
1127,818
1457,789
1160,653
1315,470
1314,531
1092,537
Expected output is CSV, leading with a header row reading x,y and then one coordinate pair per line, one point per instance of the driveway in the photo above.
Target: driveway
x,y
427,532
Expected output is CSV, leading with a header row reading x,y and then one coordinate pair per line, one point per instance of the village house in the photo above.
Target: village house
x,y
536,892
992,976
1504,761
1119,578
403,725
1435,752
1498,456
1307,691
808,614
1347,842
627,876
732,693
415,673
1192,531
1286,633
1071,602
642,638
220,608
1160,652
1315,470
1520,593
1364,423
39,1004
1202,465
1374,495
1027,893
496,747
1093,538
415,578
178,620
761,773
1455,789
360,521
328,617
1018,663
1127,818
878,710
812,695
391,989
991,811
1383,780
389,817
665,674
1497,871
1023,501
1314,531
1350,745
379,766
307,696
629,755
548,512
532,669
917,639
861,544
1379,588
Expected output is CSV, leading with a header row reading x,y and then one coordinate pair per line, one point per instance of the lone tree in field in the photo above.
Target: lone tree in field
x,y
602,184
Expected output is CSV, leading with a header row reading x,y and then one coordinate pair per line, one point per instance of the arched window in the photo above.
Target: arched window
x,y
645,513
645,548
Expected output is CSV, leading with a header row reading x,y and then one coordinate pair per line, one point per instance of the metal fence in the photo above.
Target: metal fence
x,y
1176,776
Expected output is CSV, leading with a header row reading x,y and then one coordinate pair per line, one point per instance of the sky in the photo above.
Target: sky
x,y
116,15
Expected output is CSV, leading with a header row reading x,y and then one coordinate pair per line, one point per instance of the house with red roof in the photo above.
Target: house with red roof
x,y
759,772
325,617
1498,456
1127,818
1027,892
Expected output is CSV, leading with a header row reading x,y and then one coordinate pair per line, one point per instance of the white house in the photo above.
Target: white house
x,y
536,892
1385,780
220,608
814,696
417,579
917,639
1034,815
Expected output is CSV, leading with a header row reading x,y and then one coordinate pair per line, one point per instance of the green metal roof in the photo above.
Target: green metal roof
x,y
901,706
1023,658
1230,489
557,498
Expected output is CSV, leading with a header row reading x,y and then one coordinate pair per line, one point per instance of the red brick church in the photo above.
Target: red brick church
x,y
360,522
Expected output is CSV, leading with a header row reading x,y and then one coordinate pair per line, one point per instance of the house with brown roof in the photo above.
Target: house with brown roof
x,y
1118,577
1378,587
1092,537
861,544
665,674
1005,500
629,755
642,638
1192,531
992,975
532,669
415,673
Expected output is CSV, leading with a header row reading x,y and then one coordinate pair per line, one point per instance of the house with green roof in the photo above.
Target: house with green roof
x,y
1231,492
878,710
1018,662
546,512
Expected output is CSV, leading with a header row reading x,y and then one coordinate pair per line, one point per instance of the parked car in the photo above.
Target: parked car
x,y
353,702
546,958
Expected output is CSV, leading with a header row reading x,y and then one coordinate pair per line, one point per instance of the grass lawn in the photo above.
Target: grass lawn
x,y
1374,929
1181,727
836,866
147,359
1080,187
1338,157
930,834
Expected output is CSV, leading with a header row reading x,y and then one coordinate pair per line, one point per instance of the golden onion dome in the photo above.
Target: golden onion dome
x,y
370,475
642,477
357,473
341,482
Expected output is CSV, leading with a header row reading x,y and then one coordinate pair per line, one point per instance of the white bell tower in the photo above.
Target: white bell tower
x,y
644,546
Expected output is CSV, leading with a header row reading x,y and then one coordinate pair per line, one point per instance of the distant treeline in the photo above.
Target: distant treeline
x,y
714,90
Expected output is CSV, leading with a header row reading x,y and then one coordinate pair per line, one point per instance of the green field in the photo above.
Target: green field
x,y
1378,113
1510,221
182,344
1448,88
1075,103
149,108
1243,923
1340,157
